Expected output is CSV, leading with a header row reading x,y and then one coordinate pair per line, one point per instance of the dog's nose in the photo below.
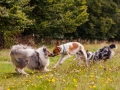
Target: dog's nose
x,y
51,55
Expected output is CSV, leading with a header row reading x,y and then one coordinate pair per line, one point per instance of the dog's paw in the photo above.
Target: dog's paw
x,y
24,73
54,67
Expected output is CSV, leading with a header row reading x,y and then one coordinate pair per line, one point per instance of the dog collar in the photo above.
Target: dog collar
x,y
63,49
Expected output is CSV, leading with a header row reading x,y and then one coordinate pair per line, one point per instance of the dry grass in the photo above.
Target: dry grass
x,y
69,76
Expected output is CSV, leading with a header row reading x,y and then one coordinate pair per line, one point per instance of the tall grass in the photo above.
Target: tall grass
x,y
69,76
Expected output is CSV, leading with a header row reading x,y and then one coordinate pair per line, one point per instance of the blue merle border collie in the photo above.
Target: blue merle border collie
x,y
103,53
25,56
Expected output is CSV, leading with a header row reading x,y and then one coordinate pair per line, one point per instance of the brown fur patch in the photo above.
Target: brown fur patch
x,y
73,47
57,50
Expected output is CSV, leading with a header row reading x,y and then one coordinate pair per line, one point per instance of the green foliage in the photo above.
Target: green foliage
x,y
86,19
59,17
10,38
13,16
101,24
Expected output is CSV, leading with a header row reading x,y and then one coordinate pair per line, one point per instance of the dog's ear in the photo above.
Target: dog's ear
x,y
44,49
57,43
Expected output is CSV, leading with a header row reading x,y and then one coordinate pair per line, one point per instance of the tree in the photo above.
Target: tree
x,y
116,18
54,18
13,15
101,22
14,18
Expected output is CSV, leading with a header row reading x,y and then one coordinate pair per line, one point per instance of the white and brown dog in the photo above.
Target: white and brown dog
x,y
22,56
70,48
103,53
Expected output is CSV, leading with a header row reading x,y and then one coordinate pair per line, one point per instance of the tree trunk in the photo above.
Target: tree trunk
x,y
2,40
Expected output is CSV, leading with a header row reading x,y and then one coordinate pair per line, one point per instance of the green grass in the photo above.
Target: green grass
x,y
69,76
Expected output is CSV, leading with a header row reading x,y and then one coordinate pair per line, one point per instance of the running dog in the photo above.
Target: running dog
x,y
70,48
22,56
103,53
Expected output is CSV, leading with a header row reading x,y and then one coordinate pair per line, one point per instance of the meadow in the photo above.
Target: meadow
x,y
69,76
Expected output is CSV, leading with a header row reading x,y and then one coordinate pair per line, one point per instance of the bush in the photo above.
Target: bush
x,y
10,38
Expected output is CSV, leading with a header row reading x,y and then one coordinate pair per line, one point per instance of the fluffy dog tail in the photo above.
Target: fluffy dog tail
x,y
21,50
113,46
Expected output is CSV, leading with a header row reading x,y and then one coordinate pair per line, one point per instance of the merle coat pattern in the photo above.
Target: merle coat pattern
x,y
24,56
103,53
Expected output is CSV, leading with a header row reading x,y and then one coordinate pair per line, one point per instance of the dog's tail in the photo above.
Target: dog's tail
x,y
21,50
113,46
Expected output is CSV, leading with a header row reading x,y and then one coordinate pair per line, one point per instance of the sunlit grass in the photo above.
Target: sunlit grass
x,y
69,76
4,55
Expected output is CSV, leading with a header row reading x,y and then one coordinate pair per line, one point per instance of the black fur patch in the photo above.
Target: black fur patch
x,y
112,46
35,62
103,53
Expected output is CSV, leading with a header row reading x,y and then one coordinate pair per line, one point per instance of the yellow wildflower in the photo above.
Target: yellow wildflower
x,y
94,86
90,86
41,77
53,80
74,80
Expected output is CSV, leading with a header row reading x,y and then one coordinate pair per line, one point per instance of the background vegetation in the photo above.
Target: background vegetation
x,y
63,19
35,22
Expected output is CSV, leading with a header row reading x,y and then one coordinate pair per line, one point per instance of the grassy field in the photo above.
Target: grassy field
x,y
69,76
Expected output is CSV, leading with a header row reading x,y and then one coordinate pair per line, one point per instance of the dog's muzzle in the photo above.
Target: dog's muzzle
x,y
52,55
